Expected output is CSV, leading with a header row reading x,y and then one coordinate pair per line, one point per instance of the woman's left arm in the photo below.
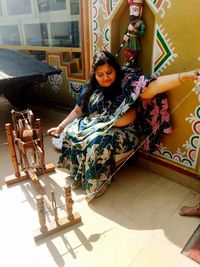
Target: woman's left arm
x,y
127,118
168,82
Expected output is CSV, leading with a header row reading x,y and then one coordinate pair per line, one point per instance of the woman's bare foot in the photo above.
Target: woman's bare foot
x,y
98,193
190,210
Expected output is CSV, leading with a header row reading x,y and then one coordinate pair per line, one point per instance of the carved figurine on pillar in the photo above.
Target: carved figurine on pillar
x,y
135,30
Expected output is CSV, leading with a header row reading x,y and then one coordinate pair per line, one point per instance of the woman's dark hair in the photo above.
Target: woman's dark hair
x,y
99,59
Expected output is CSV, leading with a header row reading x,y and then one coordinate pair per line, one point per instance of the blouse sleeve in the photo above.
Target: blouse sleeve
x,y
79,99
134,79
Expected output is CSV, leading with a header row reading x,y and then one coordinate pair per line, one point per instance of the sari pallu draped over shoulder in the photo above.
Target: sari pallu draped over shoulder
x,y
91,140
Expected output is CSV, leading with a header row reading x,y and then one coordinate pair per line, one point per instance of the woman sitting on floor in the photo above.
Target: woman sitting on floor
x,y
106,120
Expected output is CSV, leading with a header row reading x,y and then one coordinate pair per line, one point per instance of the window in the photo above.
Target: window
x,y
36,34
40,55
0,10
74,7
18,7
51,5
65,34
9,35
60,28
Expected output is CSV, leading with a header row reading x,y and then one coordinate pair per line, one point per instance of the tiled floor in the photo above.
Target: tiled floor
x,y
134,224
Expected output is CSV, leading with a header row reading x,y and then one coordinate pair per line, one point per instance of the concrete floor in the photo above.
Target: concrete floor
x,y
134,224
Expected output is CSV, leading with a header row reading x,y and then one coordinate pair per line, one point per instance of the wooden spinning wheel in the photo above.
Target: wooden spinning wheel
x,y
26,147
25,137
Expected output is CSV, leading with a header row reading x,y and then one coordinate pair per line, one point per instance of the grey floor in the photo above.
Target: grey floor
x,y
135,223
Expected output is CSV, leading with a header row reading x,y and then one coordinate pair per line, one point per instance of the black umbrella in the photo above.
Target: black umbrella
x,y
15,66
18,71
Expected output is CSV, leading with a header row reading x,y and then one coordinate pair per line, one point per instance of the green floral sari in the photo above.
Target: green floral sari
x,y
91,140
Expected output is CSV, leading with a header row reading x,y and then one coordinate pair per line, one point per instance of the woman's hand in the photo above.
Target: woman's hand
x,y
55,131
74,114
193,75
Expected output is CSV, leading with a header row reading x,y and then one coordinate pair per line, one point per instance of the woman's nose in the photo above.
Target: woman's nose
x,y
105,77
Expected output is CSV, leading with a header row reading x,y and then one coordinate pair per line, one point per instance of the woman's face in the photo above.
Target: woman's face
x,y
105,75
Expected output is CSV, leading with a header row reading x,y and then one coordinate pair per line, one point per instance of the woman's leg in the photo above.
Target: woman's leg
x,y
126,139
71,159
97,164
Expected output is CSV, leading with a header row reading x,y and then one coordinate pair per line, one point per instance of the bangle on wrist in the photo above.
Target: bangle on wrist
x,y
179,78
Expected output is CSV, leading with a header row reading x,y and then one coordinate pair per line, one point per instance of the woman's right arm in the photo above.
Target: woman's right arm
x,y
74,114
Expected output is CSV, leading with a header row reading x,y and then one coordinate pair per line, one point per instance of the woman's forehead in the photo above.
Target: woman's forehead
x,y
104,67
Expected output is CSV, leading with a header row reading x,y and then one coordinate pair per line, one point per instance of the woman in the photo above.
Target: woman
x,y
103,122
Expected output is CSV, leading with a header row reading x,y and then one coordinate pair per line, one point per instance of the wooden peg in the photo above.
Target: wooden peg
x,y
69,202
12,149
40,142
54,206
41,213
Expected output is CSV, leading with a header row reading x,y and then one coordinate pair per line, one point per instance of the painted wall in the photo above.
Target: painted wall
x,y
170,44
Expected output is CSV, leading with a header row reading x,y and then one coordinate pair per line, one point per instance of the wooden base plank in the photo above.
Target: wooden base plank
x,y
53,228
13,179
